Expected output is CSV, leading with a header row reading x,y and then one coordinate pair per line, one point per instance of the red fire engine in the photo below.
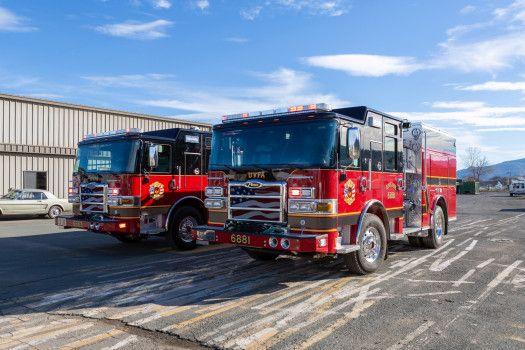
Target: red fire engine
x,y
314,181
132,185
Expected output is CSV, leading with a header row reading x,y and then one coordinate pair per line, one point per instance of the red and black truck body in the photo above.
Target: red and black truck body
x,y
309,180
133,184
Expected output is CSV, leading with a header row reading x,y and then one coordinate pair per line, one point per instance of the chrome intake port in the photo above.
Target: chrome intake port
x,y
273,242
91,226
97,227
285,243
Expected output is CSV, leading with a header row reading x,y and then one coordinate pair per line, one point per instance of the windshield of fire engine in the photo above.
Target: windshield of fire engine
x,y
111,156
299,145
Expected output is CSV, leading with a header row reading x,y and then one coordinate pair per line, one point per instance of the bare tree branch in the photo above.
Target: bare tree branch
x,y
477,164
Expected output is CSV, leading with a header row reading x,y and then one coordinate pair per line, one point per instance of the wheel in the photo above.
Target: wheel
x,y
260,255
414,241
179,234
372,243
512,195
128,239
54,211
435,234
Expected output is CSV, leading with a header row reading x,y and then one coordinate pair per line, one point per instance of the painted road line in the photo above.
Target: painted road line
x,y
434,293
45,337
92,340
463,278
360,305
485,263
28,331
169,311
440,265
125,342
222,333
495,282
411,336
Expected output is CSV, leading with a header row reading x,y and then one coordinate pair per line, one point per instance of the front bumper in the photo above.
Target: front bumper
x,y
287,242
101,225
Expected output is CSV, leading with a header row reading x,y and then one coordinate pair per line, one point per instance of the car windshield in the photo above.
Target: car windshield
x,y
300,145
12,195
111,156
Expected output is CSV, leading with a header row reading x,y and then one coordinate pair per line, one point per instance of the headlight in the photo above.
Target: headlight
x,y
320,206
73,199
301,192
214,191
214,203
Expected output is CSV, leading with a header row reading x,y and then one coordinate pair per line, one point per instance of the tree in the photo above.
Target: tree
x,y
477,164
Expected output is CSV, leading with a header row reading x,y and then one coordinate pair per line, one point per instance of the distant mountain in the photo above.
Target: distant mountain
x,y
515,167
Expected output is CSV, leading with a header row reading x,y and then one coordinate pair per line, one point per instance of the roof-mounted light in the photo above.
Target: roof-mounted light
x,y
317,107
113,133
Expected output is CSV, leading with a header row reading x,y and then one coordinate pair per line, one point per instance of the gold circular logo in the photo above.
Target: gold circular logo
x,y
156,190
349,192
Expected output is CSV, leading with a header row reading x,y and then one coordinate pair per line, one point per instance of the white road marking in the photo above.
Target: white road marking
x,y
411,336
465,241
440,265
434,293
122,343
485,263
464,278
496,281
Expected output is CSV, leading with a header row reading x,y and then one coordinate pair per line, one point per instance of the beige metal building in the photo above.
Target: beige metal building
x,y
38,138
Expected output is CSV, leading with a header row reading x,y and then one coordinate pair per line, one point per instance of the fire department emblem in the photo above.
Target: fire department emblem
x,y
349,192
156,190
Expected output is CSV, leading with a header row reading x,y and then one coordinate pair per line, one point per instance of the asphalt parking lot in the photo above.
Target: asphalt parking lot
x,y
70,289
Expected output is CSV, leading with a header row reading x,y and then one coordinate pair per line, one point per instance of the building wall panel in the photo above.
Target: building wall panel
x,y
33,122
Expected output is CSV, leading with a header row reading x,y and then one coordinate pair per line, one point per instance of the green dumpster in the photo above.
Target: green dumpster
x,y
469,187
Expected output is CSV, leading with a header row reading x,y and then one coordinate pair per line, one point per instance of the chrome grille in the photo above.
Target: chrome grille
x,y
256,200
94,197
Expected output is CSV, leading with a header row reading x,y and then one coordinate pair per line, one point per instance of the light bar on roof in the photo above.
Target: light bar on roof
x,y
316,107
113,133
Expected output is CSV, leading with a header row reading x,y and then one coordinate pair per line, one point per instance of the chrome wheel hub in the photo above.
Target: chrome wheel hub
x,y
185,227
439,226
371,244
55,212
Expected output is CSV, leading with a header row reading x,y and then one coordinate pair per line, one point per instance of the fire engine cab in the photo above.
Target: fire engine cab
x,y
313,181
133,184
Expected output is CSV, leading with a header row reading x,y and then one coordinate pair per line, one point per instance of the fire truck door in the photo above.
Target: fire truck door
x,y
375,170
192,181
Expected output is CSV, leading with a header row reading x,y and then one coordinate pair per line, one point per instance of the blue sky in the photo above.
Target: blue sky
x,y
458,65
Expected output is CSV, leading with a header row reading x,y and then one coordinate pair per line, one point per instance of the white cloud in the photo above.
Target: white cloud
x,y
467,9
458,104
237,39
481,53
501,130
282,87
10,22
162,4
332,8
202,4
137,30
251,13
495,86
366,65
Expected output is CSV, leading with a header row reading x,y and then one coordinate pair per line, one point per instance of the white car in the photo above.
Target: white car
x,y
516,188
32,202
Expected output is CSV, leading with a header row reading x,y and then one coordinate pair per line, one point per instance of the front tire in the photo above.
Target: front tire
x,y
260,255
179,234
372,247
435,234
54,211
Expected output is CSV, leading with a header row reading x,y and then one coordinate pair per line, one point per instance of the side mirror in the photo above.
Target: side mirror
x,y
153,156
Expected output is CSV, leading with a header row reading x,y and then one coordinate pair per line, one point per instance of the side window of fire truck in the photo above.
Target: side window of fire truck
x,y
164,165
350,147
391,144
